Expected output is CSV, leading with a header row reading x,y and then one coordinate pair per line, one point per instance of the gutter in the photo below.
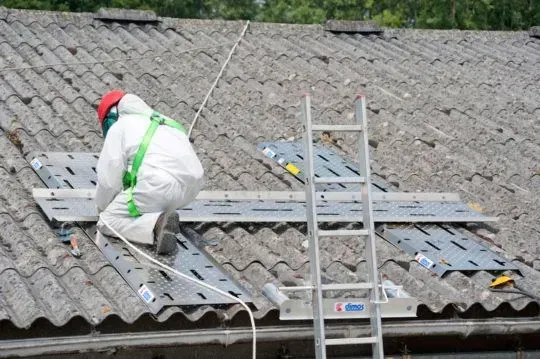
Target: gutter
x,y
226,337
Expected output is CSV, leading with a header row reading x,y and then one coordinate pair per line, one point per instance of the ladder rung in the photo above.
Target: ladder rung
x,y
334,286
343,232
347,286
356,179
338,128
296,289
348,341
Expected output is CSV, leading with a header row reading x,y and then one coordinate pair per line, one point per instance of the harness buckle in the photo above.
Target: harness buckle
x,y
158,118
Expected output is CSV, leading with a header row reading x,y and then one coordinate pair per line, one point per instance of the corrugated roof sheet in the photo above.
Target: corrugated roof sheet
x,y
448,111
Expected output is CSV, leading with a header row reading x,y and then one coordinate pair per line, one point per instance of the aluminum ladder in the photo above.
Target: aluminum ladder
x,y
368,231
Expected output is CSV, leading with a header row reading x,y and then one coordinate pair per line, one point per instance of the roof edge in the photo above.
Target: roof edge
x,y
228,336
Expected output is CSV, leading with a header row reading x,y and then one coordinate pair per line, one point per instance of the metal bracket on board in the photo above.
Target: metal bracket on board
x,y
348,308
293,196
397,304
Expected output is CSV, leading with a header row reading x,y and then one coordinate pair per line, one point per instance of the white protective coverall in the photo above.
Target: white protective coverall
x,y
169,178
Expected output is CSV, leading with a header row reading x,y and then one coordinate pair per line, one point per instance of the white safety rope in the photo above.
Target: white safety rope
x,y
196,281
217,79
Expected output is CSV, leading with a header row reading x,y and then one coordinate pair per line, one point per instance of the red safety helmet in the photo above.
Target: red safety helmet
x,y
110,99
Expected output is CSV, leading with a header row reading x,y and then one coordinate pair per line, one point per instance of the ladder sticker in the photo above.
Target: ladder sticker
x,y
292,168
342,307
269,153
424,261
36,164
146,294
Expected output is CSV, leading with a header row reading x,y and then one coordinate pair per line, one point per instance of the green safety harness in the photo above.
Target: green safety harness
x,y
130,177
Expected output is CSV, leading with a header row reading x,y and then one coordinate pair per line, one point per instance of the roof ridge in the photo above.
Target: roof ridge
x,y
5,13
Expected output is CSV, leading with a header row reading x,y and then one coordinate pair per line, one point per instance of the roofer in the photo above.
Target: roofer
x,y
146,171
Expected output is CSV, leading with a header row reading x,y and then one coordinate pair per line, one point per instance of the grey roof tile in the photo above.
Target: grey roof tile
x,y
18,301
448,111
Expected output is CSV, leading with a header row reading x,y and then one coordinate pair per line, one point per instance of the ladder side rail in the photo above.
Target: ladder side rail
x,y
375,315
312,227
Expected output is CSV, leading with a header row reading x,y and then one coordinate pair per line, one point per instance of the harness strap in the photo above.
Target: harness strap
x,y
130,177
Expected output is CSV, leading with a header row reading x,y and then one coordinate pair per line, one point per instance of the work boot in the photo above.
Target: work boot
x,y
165,230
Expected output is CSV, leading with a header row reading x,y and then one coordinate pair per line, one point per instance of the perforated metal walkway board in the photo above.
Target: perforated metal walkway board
x,y
442,248
158,288
330,164
432,245
66,169
77,170
327,164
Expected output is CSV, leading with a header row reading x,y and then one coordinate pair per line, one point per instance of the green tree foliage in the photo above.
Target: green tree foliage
x,y
434,14
295,11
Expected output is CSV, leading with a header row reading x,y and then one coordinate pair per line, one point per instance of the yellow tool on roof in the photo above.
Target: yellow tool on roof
x,y
501,281
292,168
507,284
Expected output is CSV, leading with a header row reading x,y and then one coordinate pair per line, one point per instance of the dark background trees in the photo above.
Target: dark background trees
x,y
433,14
